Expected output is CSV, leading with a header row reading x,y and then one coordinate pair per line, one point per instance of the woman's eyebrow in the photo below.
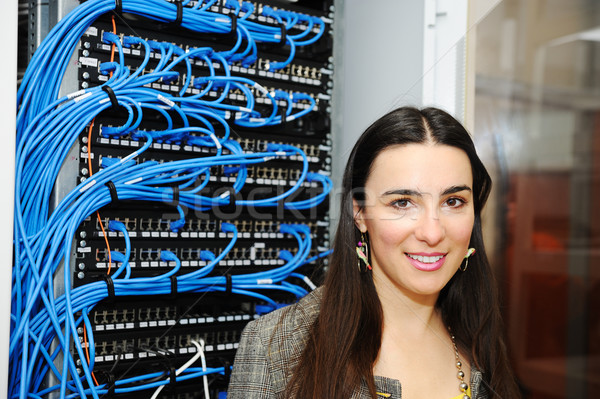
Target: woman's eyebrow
x,y
403,191
414,193
456,189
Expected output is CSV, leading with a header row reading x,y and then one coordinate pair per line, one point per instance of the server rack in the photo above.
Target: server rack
x,y
212,165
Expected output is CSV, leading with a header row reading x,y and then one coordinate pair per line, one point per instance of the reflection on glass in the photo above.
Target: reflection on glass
x,y
537,108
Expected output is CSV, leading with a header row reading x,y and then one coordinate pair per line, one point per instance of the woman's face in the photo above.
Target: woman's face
x,y
419,215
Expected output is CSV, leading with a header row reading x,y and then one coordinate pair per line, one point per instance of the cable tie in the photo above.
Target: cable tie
x,y
175,200
179,18
118,6
113,191
283,35
227,370
110,286
172,378
228,283
233,30
173,286
112,97
231,204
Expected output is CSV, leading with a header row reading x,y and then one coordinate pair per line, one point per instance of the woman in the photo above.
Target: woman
x,y
409,305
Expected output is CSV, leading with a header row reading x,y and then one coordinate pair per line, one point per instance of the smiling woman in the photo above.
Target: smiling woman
x,y
395,317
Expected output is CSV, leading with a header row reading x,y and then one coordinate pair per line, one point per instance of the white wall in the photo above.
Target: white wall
x,y
382,58
378,63
390,53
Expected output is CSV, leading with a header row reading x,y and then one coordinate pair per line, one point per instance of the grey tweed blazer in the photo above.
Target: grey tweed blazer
x,y
271,346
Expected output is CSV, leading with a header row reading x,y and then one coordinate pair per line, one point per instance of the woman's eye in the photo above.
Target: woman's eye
x,y
455,202
401,203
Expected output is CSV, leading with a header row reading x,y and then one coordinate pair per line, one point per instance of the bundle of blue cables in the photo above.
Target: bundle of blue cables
x,y
46,355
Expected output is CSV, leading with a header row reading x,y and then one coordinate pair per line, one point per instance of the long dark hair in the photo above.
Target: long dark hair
x,y
346,337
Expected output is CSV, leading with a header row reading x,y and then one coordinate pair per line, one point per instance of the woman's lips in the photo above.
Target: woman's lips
x,y
426,262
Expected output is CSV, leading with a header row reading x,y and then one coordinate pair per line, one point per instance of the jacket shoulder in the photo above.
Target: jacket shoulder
x,y
289,322
270,348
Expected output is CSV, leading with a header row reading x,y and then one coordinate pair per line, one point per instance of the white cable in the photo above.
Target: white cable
x,y
203,360
199,353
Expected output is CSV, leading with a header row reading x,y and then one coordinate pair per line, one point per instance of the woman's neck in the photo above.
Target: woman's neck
x,y
416,348
408,312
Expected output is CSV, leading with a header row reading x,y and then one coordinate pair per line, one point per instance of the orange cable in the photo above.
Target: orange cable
x,y
112,51
89,151
87,353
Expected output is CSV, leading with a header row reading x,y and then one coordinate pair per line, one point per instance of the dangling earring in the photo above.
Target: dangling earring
x,y
470,252
362,250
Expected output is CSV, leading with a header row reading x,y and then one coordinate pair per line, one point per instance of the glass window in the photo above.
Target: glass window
x,y
537,116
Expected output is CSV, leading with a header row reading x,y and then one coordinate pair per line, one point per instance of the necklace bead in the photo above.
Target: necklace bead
x,y
463,386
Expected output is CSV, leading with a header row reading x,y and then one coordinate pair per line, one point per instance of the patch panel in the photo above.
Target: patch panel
x,y
145,224
178,335
149,263
164,346
114,347
317,154
102,253
311,150
156,313
308,75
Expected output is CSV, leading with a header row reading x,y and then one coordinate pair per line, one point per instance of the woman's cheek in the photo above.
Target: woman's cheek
x,y
461,228
393,232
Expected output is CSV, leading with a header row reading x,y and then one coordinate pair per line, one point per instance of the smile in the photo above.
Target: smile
x,y
426,263
425,259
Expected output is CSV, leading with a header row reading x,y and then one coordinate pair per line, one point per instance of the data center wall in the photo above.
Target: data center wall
x,y
194,153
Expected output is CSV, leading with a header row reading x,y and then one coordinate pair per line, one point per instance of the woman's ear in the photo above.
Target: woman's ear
x,y
358,217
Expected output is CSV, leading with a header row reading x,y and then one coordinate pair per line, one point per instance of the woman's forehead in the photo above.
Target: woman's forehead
x,y
422,167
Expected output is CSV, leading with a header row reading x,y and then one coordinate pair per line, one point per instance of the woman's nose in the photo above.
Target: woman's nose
x,y
430,228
